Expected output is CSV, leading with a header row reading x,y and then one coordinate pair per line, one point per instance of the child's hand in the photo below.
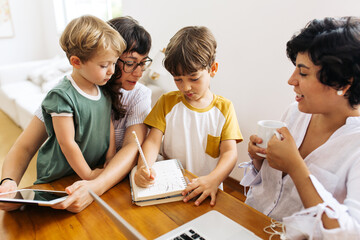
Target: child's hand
x,y
204,185
8,186
144,178
79,197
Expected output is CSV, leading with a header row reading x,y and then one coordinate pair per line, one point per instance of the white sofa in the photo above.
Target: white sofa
x,y
23,86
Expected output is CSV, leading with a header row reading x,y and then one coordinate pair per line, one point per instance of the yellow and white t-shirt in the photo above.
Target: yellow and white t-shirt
x,y
193,135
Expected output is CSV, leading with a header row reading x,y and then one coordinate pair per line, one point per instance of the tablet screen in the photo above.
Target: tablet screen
x,y
33,196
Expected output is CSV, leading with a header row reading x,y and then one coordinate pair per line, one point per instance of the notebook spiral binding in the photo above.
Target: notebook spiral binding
x,y
183,172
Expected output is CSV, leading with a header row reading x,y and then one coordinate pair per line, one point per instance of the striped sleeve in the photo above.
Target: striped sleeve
x,y
140,108
38,114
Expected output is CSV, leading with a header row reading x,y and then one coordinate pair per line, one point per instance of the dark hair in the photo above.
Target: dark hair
x,y
334,45
191,49
137,40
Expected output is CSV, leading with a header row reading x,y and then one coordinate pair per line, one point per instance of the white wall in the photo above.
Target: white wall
x,y
251,35
35,34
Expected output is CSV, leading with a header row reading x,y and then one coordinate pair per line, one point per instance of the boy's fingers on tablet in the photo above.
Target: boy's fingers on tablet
x,y
69,190
76,201
78,206
72,190
81,197
64,204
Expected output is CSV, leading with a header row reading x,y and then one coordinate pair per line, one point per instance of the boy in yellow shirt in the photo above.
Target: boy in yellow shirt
x,y
197,127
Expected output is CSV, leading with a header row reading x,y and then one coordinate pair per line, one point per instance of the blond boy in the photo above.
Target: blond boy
x,y
77,112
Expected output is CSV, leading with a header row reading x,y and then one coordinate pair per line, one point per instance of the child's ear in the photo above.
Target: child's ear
x,y
214,68
75,62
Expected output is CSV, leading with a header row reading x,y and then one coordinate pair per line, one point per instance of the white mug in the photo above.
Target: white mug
x,y
267,129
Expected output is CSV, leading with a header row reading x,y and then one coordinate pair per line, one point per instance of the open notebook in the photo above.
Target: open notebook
x,y
169,183
211,225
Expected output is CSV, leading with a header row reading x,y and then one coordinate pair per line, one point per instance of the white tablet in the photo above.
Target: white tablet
x,y
34,196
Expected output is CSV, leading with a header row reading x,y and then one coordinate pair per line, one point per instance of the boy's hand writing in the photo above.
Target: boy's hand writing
x,y
204,186
144,178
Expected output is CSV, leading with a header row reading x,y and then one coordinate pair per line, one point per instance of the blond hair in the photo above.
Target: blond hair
x,y
191,49
85,36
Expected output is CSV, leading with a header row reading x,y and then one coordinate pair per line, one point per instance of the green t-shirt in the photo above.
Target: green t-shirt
x,y
91,116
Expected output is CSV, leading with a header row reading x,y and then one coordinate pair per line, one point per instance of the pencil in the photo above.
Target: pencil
x,y
140,150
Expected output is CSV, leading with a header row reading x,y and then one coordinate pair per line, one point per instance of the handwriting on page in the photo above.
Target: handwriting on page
x,y
166,181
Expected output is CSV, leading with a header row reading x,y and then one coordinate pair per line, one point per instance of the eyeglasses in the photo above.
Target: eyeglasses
x,y
130,66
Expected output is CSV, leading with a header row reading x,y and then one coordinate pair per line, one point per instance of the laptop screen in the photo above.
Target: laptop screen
x,y
129,231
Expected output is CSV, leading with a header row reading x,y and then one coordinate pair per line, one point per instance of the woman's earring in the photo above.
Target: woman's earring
x,y
339,92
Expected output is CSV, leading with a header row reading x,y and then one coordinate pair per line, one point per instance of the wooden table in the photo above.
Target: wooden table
x,y
92,223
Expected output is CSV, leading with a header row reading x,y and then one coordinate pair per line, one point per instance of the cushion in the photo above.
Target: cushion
x,y
54,70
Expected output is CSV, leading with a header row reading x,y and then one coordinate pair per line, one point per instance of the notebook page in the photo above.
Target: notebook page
x,y
169,180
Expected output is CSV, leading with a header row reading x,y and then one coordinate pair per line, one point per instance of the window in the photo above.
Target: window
x,y
66,10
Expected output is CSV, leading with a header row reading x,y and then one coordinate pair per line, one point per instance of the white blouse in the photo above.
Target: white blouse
x,y
335,173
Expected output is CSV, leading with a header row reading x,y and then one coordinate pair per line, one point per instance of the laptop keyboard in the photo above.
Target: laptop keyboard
x,y
189,235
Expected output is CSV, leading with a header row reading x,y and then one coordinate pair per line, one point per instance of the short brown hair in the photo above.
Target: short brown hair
x,y
85,35
191,49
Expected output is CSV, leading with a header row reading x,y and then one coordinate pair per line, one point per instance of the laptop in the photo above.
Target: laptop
x,y
211,225
129,231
